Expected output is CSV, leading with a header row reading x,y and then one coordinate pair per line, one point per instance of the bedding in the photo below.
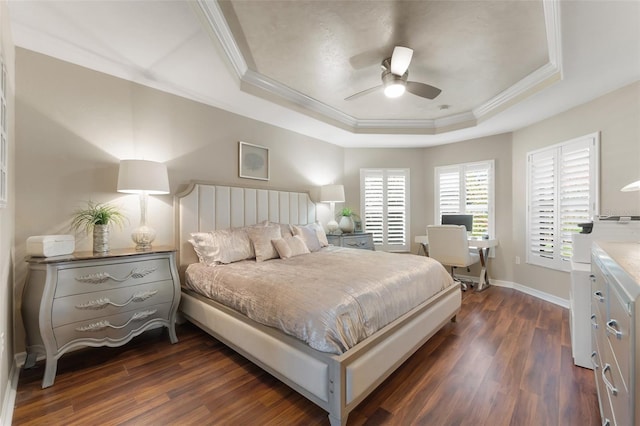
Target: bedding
x,y
331,299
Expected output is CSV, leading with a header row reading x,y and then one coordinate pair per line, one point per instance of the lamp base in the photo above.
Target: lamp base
x,y
143,236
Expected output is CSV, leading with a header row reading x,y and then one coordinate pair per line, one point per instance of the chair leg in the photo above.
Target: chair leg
x,y
463,285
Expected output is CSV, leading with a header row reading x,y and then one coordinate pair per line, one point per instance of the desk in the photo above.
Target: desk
x,y
481,245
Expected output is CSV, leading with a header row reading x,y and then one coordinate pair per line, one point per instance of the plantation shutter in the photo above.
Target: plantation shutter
x,y
562,189
466,189
385,204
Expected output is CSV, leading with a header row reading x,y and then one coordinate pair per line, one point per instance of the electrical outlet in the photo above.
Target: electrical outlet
x,y
517,260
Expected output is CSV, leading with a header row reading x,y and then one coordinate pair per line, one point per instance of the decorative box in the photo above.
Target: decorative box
x,y
50,245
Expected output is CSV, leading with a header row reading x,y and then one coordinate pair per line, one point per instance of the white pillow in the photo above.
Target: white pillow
x,y
203,245
261,238
290,246
313,235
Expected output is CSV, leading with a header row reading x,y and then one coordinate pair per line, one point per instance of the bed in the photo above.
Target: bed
x,y
336,380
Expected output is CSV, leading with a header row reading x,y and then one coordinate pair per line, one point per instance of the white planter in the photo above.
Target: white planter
x,y
346,224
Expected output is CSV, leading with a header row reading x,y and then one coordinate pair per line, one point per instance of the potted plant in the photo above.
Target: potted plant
x,y
97,217
346,220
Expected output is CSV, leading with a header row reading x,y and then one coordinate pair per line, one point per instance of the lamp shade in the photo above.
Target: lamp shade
x,y
137,176
332,194
633,186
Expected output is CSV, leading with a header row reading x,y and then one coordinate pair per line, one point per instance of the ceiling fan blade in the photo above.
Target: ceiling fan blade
x,y
364,92
423,90
400,60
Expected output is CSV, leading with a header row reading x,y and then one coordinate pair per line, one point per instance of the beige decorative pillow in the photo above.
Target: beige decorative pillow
x,y
290,246
222,246
202,243
313,235
261,238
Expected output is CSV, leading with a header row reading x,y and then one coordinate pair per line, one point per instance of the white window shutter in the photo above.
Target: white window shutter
x,y
562,192
385,207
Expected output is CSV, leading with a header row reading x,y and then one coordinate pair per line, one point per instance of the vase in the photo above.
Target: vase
x,y
346,224
100,238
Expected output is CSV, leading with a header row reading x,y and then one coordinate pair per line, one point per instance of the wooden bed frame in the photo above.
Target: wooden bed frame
x,y
337,383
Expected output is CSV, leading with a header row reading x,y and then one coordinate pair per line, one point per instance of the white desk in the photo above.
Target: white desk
x,y
483,247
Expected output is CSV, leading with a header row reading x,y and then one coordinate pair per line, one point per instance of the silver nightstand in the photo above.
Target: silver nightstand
x,y
362,240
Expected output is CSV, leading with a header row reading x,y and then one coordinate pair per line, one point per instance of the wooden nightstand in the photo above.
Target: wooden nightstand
x,y
360,240
96,300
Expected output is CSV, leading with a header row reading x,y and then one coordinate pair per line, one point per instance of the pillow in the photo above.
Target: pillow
x,y
285,229
203,245
290,246
313,236
222,246
261,238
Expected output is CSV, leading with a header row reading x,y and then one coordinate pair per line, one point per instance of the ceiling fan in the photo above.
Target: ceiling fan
x,y
395,71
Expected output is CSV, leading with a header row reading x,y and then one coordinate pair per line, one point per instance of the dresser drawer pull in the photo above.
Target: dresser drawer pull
x,y
598,296
101,325
594,323
612,389
606,422
593,360
103,302
102,277
612,328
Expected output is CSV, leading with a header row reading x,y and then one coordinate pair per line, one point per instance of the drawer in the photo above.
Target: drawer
x,y
359,241
77,280
87,306
111,329
618,328
618,395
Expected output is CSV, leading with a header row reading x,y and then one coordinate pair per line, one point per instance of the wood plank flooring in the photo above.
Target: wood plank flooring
x,y
506,361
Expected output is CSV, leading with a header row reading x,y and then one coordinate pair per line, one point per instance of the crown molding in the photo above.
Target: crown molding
x,y
280,93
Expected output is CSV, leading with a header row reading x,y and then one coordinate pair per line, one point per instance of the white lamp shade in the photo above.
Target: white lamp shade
x,y
634,186
137,176
332,194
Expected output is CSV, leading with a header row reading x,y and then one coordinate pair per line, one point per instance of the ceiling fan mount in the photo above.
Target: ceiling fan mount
x,y
395,74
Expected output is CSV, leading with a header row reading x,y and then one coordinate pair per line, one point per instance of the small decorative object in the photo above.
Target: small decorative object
x,y
144,178
253,161
50,245
332,194
346,220
96,218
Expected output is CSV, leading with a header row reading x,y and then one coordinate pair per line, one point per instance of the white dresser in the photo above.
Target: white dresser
x,y
615,317
96,300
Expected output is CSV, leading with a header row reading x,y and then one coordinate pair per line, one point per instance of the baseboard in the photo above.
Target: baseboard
x,y
10,393
524,289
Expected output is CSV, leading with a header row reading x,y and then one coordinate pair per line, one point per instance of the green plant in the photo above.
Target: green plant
x,y
346,211
96,214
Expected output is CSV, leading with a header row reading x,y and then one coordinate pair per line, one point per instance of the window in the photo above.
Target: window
x,y
561,193
385,207
467,189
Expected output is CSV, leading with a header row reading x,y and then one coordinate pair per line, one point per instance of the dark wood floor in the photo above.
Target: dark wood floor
x,y
507,361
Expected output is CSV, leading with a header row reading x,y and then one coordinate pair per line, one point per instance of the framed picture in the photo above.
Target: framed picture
x,y
253,161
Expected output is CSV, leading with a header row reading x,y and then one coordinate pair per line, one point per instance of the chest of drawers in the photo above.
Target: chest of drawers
x,y
96,300
359,241
615,319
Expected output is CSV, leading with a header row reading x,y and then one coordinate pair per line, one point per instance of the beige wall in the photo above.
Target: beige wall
x,y
497,148
617,117
7,224
74,125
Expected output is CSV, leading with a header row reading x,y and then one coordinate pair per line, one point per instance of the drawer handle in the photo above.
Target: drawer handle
x,y
612,389
606,422
598,296
593,360
101,325
102,277
594,323
103,302
612,328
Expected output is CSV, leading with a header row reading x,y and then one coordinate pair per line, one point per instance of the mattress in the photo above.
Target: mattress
x,y
331,299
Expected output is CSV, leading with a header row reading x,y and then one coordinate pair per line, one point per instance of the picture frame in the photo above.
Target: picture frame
x,y
253,161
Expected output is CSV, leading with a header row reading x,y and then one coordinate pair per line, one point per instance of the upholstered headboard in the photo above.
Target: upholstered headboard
x,y
204,207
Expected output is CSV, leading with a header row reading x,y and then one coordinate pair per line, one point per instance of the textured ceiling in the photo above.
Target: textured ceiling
x,y
329,50
292,63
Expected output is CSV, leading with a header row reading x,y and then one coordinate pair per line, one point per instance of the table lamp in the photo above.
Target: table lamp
x,y
332,194
144,178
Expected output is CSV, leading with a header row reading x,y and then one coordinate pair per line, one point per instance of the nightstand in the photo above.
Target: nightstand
x,y
88,299
361,240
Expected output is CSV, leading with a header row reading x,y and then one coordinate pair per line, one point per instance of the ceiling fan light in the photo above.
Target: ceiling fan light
x,y
394,90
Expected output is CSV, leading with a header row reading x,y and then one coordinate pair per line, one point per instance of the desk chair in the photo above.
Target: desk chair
x,y
448,244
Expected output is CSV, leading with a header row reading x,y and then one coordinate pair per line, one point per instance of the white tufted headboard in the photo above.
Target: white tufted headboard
x,y
204,207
